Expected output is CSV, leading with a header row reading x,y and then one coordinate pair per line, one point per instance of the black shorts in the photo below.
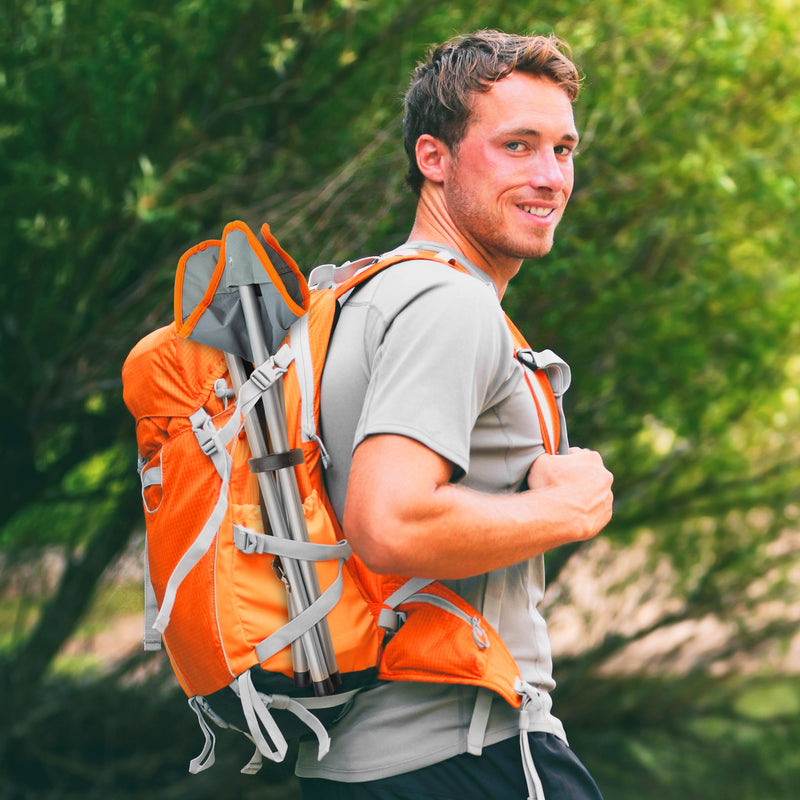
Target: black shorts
x,y
497,773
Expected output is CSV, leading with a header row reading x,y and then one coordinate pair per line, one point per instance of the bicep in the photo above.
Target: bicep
x,y
392,489
434,367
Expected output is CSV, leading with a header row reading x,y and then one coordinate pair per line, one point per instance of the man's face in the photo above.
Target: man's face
x,y
509,180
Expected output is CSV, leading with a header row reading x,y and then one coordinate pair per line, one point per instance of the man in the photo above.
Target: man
x,y
439,468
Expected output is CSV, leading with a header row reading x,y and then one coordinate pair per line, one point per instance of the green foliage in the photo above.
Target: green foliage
x,y
131,130
690,738
672,287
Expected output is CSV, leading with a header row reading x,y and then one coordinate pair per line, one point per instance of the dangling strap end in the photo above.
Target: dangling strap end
x,y
152,637
207,756
479,721
259,720
253,765
532,780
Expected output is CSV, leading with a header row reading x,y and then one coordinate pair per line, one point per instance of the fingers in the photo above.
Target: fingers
x,y
577,465
580,482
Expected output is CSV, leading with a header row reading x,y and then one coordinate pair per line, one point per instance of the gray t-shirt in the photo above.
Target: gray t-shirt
x,y
423,350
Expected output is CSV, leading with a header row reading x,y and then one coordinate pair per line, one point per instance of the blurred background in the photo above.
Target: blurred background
x,y
132,129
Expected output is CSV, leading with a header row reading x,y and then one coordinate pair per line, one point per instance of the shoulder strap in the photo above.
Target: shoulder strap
x,y
548,378
380,263
547,375
331,287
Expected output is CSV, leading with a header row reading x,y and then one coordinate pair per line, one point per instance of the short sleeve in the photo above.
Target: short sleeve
x,y
440,353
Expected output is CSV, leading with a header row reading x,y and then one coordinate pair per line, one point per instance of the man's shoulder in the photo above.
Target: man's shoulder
x,y
439,261
399,285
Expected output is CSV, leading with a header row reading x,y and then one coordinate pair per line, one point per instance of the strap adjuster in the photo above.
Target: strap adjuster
x,y
391,620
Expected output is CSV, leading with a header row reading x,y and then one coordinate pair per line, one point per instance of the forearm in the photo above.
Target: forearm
x,y
460,533
403,517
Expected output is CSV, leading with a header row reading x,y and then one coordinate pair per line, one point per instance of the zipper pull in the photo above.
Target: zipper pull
x,y
478,634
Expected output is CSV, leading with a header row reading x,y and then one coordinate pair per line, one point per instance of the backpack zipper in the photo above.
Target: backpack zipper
x,y
478,634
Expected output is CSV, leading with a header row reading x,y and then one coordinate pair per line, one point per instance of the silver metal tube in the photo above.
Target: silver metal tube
x,y
287,484
307,653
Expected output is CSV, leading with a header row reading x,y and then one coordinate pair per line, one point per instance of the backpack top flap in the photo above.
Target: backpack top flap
x,y
208,306
166,377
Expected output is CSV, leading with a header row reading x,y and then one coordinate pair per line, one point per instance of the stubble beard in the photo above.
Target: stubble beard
x,y
538,247
492,232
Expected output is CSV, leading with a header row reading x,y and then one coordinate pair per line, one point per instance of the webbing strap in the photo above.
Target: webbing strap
x,y
304,366
304,621
411,586
559,376
249,541
479,720
328,700
389,618
253,765
152,638
263,377
492,605
493,597
252,390
530,696
207,756
282,701
256,705
545,419
211,443
259,720
214,443
147,478
151,477
563,441
558,372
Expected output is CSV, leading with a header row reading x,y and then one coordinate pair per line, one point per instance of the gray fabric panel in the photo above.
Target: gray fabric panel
x,y
222,324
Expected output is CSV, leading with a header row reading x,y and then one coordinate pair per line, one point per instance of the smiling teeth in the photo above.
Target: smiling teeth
x,y
536,211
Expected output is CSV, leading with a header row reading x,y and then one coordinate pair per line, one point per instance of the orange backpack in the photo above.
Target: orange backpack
x,y
216,573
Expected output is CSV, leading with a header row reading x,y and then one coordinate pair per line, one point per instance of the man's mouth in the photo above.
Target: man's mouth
x,y
537,211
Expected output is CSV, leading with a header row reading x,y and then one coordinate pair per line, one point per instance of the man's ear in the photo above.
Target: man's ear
x,y
432,155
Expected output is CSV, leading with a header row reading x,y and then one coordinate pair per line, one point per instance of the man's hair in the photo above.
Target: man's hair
x,y
439,99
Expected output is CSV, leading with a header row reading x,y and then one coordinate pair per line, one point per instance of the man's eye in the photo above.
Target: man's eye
x,y
515,147
562,150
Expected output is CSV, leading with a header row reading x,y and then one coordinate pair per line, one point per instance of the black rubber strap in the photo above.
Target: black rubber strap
x,y
291,458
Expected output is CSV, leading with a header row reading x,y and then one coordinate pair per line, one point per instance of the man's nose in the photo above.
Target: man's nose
x,y
547,172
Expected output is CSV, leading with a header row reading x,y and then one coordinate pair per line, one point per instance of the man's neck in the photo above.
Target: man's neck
x,y
433,224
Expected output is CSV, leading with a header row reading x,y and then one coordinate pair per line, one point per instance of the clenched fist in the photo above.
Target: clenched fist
x,y
582,482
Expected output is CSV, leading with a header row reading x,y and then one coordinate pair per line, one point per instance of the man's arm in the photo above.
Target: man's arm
x,y
403,517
